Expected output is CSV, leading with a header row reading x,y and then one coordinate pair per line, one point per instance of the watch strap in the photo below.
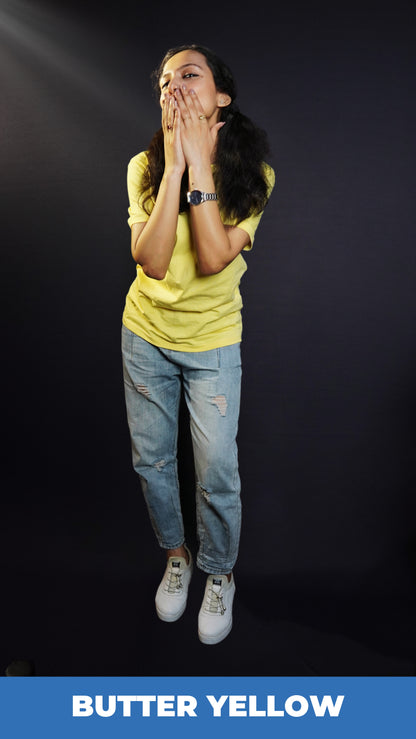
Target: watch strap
x,y
195,197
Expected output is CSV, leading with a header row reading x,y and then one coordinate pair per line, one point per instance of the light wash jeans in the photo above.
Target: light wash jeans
x,y
211,380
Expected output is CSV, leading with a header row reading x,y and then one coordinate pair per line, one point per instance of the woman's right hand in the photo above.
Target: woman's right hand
x,y
171,123
152,244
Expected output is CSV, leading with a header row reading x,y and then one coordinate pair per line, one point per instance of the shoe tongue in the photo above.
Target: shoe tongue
x,y
216,581
176,564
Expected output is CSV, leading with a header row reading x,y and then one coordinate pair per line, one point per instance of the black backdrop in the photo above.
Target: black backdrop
x,y
326,573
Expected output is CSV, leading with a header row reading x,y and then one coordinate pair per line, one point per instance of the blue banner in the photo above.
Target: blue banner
x,y
199,707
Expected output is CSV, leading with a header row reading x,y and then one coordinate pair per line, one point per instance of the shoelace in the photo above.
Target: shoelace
x,y
174,581
215,602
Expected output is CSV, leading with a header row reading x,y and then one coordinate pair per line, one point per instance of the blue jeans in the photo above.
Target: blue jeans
x,y
211,380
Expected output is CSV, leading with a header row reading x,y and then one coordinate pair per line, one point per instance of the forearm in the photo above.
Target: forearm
x,y
153,248
210,238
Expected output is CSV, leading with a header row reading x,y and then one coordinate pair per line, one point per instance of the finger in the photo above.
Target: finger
x,y
176,122
164,113
214,131
196,105
186,101
170,114
181,98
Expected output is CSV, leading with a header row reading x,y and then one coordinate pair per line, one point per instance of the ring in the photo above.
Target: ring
x,y
169,127
202,117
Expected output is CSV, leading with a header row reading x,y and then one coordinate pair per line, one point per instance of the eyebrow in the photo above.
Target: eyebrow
x,y
189,64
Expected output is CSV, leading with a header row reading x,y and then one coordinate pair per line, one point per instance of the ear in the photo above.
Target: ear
x,y
223,99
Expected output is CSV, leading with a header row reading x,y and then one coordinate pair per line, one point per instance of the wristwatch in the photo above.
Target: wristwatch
x,y
195,197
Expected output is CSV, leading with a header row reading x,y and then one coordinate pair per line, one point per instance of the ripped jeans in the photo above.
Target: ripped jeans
x,y
211,380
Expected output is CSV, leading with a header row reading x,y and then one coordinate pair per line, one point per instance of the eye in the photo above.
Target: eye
x,y
164,84
189,74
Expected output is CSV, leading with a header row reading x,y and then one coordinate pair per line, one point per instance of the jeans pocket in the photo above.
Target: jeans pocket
x,y
229,356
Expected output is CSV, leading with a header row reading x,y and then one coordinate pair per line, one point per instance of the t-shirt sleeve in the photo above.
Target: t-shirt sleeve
x,y
135,171
250,224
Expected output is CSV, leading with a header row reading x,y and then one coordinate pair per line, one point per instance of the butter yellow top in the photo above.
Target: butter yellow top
x,y
185,311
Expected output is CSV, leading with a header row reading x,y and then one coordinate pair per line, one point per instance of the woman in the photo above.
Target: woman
x,y
196,198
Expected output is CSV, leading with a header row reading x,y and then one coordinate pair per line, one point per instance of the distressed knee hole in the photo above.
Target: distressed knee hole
x,y
204,493
160,464
221,402
143,390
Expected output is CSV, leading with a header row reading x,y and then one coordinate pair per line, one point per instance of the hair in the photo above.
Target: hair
x,y
240,151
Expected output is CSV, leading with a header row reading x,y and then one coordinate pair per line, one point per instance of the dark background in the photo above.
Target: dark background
x,y
326,574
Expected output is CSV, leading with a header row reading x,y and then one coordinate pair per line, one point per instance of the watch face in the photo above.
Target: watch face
x,y
195,197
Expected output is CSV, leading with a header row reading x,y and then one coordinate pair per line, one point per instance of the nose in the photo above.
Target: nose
x,y
174,84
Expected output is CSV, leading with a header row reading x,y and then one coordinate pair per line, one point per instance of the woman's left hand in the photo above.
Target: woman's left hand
x,y
197,136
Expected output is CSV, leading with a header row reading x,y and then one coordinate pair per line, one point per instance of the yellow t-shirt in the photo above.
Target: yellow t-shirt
x,y
185,311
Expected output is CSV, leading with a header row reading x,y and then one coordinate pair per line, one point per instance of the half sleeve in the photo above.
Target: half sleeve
x,y
135,172
250,224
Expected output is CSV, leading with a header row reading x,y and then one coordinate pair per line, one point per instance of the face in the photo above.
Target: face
x,y
190,68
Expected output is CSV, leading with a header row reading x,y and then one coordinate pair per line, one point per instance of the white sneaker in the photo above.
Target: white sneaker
x,y
216,613
172,592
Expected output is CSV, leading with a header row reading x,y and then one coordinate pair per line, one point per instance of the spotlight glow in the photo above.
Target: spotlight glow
x,y
63,45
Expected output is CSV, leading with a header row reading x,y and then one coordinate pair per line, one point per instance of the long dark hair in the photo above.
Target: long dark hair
x,y
240,152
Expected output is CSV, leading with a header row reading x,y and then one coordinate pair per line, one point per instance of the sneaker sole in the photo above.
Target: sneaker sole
x,y
169,617
207,639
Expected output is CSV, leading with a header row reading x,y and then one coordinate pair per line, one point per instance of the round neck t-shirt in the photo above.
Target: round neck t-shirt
x,y
185,311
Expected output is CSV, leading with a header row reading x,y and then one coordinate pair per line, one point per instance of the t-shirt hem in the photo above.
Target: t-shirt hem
x,y
227,339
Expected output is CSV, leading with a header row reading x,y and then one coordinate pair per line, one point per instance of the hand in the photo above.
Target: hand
x,y
198,137
171,124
